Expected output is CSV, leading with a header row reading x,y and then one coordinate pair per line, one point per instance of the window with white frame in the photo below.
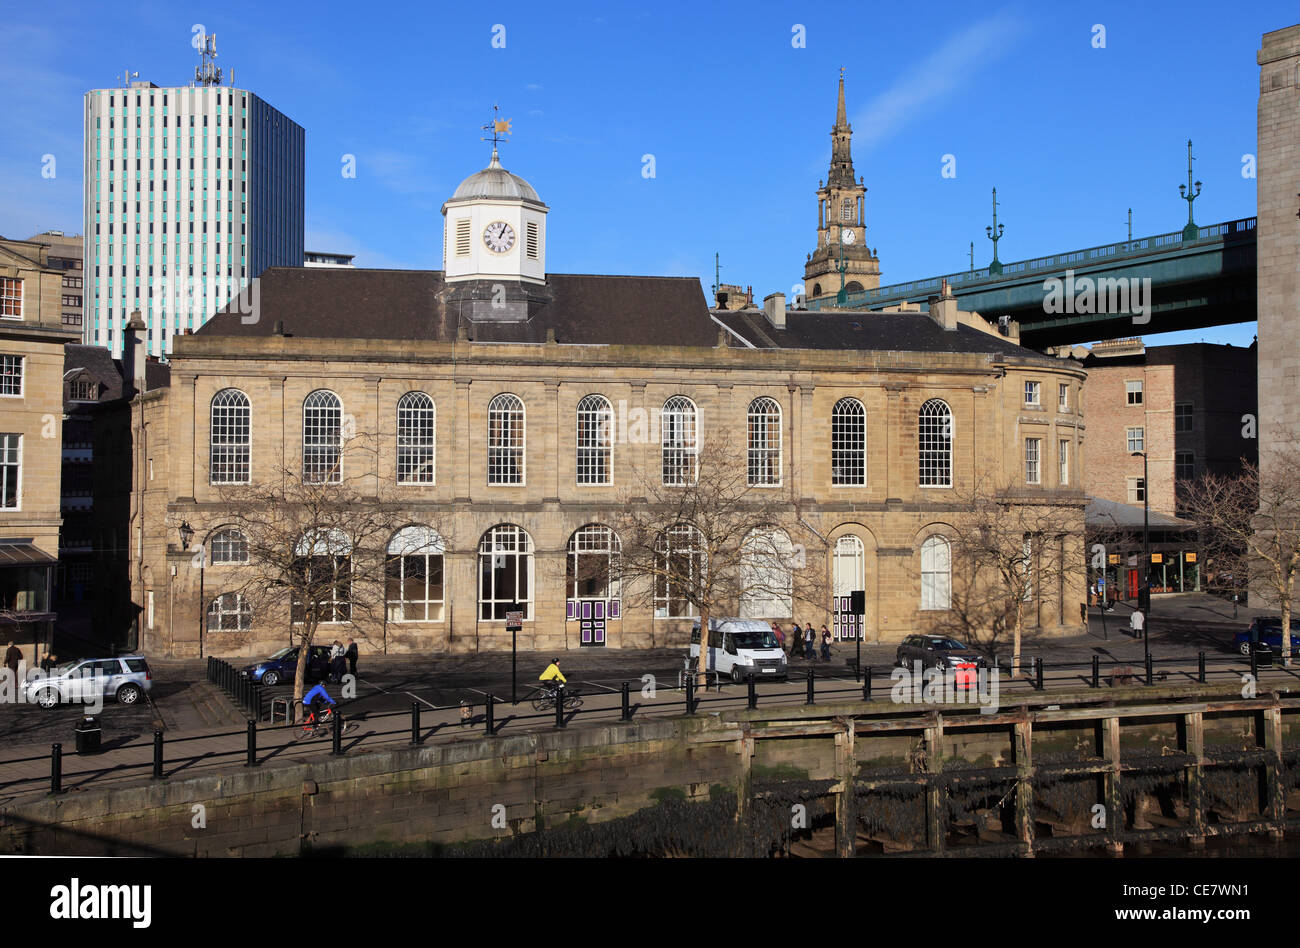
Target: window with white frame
x,y
680,441
11,375
322,438
679,565
414,575
764,442
1062,397
506,440
11,468
229,547
766,579
594,568
229,612
1136,439
1063,461
322,580
1033,458
848,443
230,426
11,298
1033,393
1137,490
1133,391
416,434
936,573
595,443
505,562
935,443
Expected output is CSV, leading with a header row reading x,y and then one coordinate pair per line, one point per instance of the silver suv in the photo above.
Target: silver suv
x,y
126,678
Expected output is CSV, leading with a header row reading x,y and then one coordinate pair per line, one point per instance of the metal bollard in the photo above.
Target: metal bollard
x,y
258,692
337,750
866,683
753,694
56,768
1200,667
1254,663
810,686
1038,672
252,744
489,725
559,708
1096,671
1149,678
158,755
627,703
415,722
690,693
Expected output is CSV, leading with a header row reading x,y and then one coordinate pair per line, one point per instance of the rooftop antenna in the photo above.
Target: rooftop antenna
x,y
127,77
498,127
1130,228
208,73
717,275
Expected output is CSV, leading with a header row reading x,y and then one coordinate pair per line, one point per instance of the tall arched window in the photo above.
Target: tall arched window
x,y
229,547
680,440
230,434
505,566
229,612
936,573
679,566
322,438
848,573
595,440
764,442
848,443
506,440
766,580
414,576
416,424
593,567
935,443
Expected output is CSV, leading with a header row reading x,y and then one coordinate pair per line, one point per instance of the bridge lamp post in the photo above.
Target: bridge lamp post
x,y
1189,193
994,234
1144,594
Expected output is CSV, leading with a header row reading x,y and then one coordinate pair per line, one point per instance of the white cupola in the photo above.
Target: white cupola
x,y
494,228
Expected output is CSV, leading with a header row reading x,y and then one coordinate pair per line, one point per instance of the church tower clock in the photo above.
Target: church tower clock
x,y
842,258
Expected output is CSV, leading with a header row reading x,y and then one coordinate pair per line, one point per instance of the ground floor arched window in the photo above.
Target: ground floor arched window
x,y
413,580
936,573
680,563
848,573
767,584
505,565
593,581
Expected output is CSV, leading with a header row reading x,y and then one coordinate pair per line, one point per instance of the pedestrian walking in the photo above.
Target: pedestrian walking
x,y
1136,621
826,644
13,655
351,655
780,635
796,641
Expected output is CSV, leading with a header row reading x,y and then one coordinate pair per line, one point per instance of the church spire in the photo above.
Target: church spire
x,y
840,119
841,173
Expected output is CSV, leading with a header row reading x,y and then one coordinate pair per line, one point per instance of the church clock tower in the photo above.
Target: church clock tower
x,y
842,257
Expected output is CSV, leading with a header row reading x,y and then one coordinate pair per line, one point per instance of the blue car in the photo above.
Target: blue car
x,y
1266,632
284,664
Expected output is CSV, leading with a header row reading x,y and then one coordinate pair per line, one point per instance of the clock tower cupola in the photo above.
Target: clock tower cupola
x,y
842,259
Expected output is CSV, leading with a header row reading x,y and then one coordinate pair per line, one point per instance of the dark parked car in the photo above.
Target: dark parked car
x,y
284,664
937,651
1266,633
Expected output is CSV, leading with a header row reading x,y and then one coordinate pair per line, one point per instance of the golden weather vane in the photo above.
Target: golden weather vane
x,y
498,127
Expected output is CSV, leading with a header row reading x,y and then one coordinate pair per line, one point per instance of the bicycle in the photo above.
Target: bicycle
x,y
314,728
545,699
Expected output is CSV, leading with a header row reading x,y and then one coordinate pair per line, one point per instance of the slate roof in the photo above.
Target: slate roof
x,y
1111,514
98,363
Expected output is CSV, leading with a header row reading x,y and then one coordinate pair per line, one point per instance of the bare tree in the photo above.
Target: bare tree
x,y
317,548
1003,565
709,540
1250,525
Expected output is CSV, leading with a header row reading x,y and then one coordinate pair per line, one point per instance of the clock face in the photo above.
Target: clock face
x,y
848,236
499,236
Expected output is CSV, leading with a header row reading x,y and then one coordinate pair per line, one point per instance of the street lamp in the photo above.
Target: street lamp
x,y
1144,595
187,534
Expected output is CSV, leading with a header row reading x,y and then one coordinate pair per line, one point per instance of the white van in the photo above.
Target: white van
x,y
741,648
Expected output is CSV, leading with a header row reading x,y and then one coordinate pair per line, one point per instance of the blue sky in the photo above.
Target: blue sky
x,y
736,117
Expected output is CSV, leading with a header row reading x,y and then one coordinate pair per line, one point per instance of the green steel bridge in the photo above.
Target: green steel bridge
x,y
1208,281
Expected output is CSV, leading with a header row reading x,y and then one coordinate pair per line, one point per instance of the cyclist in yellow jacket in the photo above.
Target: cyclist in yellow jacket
x,y
554,674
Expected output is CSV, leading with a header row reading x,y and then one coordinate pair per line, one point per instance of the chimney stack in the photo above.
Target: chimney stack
x,y
943,308
774,309
135,354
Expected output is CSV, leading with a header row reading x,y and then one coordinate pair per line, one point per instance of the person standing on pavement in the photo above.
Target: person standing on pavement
x,y
810,642
351,655
336,661
826,644
796,641
49,661
13,656
1136,621
780,635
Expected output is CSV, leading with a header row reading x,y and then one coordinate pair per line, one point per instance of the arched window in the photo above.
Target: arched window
x,y
679,566
936,573
505,566
595,440
593,566
229,547
322,580
505,440
764,442
414,575
229,612
848,573
848,444
416,424
766,580
935,444
230,434
322,441
680,439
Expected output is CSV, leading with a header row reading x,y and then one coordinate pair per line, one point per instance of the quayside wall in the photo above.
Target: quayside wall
x,y
1052,773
